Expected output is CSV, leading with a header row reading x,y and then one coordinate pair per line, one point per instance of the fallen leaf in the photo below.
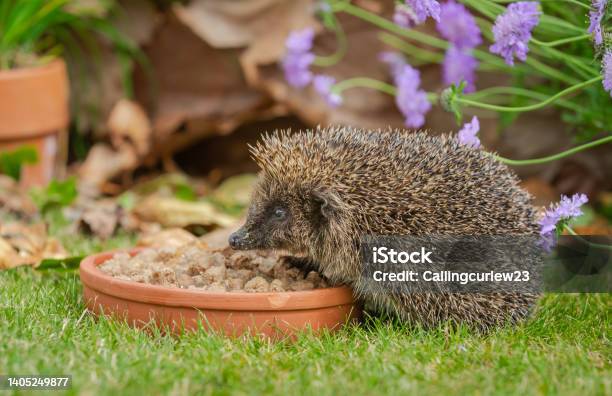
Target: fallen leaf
x,y
172,212
200,90
101,217
235,191
15,200
22,244
103,163
259,25
129,124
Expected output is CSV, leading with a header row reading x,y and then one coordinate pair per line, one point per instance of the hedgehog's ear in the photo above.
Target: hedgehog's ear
x,y
327,202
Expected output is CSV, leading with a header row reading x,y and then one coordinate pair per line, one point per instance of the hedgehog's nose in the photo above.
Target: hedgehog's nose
x,y
236,240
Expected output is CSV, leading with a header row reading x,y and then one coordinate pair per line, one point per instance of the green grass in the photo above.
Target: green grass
x,y
44,328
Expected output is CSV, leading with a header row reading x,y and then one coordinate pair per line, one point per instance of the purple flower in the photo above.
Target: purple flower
x,y
297,69
300,41
415,12
424,9
411,100
566,209
404,16
596,16
458,26
512,30
323,85
467,134
570,207
297,60
606,66
459,65
395,61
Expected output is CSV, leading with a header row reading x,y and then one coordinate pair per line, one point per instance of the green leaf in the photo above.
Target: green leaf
x,y
185,192
68,263
11,162
56,194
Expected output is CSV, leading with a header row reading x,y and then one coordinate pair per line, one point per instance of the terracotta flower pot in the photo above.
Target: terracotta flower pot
x,y
34,112
272,314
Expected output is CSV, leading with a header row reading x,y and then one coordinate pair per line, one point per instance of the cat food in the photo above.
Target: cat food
x,y
194,266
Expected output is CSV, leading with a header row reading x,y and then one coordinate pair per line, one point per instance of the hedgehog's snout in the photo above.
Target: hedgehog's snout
x,y
239,240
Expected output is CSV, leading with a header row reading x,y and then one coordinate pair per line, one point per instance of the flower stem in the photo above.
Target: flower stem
x,y
364,82
372,83
536,106
557,156
419,53
561,41
487,92
596,245
390,26
330,60
576,2
550,71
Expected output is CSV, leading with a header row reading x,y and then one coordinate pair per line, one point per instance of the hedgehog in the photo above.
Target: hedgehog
x,y
319,191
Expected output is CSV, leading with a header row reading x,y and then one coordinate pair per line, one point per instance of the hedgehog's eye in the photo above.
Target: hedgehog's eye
x,y
279,213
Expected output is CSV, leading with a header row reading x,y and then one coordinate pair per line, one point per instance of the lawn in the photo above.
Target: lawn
x,y
564,349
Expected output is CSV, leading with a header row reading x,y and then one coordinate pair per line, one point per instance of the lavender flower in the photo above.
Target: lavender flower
x,y
323,85
606,66
297,69
566,209
459,65
458,26
297,60
596,16
415,12
467,134
395,61
425,8
300,41
404,17
512,30
411,100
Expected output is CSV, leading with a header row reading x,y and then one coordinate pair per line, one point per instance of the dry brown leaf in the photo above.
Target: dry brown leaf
x,y
208,96
171,237
14,199
8,255
101,218
22,244
103,163
259,25
129,124
172,212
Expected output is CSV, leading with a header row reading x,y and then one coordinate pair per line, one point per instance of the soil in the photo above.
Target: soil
x,y
194,266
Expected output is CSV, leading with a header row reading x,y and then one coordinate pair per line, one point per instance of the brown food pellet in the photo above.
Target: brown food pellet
x,y
257,284
194,266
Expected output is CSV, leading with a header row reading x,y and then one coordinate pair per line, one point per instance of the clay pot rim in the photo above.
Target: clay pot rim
x,y
35,70
95,279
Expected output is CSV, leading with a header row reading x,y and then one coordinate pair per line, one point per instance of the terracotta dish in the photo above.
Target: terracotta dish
x,y
234,314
